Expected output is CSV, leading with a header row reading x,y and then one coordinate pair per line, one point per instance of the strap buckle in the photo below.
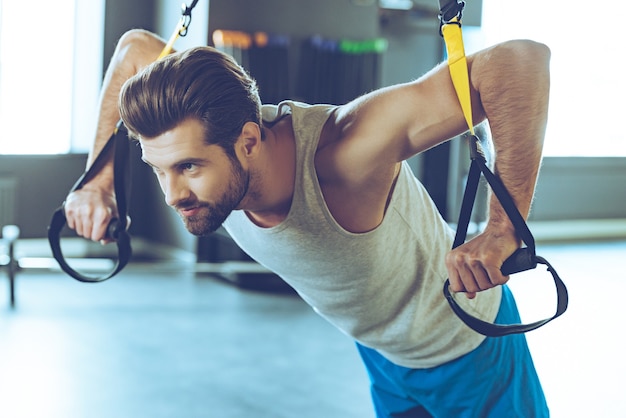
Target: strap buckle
x,y
476,150
185,19
450,13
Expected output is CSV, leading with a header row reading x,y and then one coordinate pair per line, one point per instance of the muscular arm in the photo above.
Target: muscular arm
x,y
510,86
517,113
90,209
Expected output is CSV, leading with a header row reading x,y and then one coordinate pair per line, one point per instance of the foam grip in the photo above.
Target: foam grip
x,y
521,260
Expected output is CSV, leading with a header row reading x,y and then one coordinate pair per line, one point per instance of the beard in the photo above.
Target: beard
x,y
212,215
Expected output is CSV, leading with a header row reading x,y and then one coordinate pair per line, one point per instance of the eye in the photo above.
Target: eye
x,y
188,167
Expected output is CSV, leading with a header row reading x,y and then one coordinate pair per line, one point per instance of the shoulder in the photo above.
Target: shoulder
x,y
363,137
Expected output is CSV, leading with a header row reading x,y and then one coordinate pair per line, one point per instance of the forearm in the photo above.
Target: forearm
x,y
135,50
513,84
90,209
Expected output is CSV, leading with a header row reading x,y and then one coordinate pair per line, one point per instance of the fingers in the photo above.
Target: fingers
x,y
475,265
471,272
89,215
89,222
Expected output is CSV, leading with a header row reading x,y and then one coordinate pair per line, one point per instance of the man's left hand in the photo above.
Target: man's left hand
x,y
475,265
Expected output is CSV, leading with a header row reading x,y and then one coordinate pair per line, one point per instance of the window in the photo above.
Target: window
x,y
587,84
50,74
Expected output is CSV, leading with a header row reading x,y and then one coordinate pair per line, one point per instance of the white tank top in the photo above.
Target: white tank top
x,y
383,287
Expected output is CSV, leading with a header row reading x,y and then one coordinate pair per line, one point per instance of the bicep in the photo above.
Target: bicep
x,y
395,123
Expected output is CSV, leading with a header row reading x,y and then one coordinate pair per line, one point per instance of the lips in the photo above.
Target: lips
x,y
190,211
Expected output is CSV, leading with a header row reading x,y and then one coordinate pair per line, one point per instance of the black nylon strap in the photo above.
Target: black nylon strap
x,y
521,260
117,227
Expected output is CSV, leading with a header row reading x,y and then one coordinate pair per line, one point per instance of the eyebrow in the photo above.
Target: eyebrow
x,y
191,160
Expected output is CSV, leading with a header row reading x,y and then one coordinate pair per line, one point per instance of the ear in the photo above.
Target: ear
x,y
250,139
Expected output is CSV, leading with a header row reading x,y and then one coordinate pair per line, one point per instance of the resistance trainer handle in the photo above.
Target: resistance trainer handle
x,y
116,231
521,260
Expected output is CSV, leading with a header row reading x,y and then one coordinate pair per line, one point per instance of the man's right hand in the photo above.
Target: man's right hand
x,y
89,210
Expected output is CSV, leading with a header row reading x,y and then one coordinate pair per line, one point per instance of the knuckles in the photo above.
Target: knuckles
x,y
472,272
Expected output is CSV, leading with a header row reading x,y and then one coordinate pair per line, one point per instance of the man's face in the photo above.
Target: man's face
x,y
200,181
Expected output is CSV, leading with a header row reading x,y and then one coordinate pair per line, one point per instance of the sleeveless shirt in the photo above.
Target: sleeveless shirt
x,y
383,287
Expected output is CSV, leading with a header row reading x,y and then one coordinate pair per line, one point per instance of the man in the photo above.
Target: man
x,y
321,195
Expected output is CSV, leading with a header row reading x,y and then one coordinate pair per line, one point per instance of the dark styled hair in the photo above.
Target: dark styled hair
x,y
201,83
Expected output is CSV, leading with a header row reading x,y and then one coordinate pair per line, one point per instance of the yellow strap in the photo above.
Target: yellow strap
x,y
170,44
457,63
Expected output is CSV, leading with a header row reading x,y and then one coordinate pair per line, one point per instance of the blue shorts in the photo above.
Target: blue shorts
x,y
497,379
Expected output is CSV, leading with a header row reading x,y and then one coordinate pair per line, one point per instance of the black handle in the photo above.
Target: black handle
x,y
116,231
115,228
522,259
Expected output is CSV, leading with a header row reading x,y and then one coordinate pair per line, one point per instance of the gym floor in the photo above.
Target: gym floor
x,y
160,342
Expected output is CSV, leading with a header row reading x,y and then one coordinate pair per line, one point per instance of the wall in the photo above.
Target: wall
x,y
299,19
334,19
42,184
572,188
120,16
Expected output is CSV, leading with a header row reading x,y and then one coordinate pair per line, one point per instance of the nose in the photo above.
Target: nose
x,y
175,189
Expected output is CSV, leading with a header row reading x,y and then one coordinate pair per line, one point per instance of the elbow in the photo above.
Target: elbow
x,y
533,52
530,48
527,56
532,60
134,38
520,64
137,48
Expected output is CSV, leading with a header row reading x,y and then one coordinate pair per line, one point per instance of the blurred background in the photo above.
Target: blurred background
x,y
159,339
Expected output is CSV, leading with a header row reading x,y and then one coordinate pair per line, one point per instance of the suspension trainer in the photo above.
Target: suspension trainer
x,y
524,258
117,228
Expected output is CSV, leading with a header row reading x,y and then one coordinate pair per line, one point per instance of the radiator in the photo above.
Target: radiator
x,y
8,200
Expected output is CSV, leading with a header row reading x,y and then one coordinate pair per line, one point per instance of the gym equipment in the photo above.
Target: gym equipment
x,y
117,227
244,274
524,258
10,234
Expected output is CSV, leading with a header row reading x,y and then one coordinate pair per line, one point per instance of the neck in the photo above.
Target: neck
x,y
272,179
